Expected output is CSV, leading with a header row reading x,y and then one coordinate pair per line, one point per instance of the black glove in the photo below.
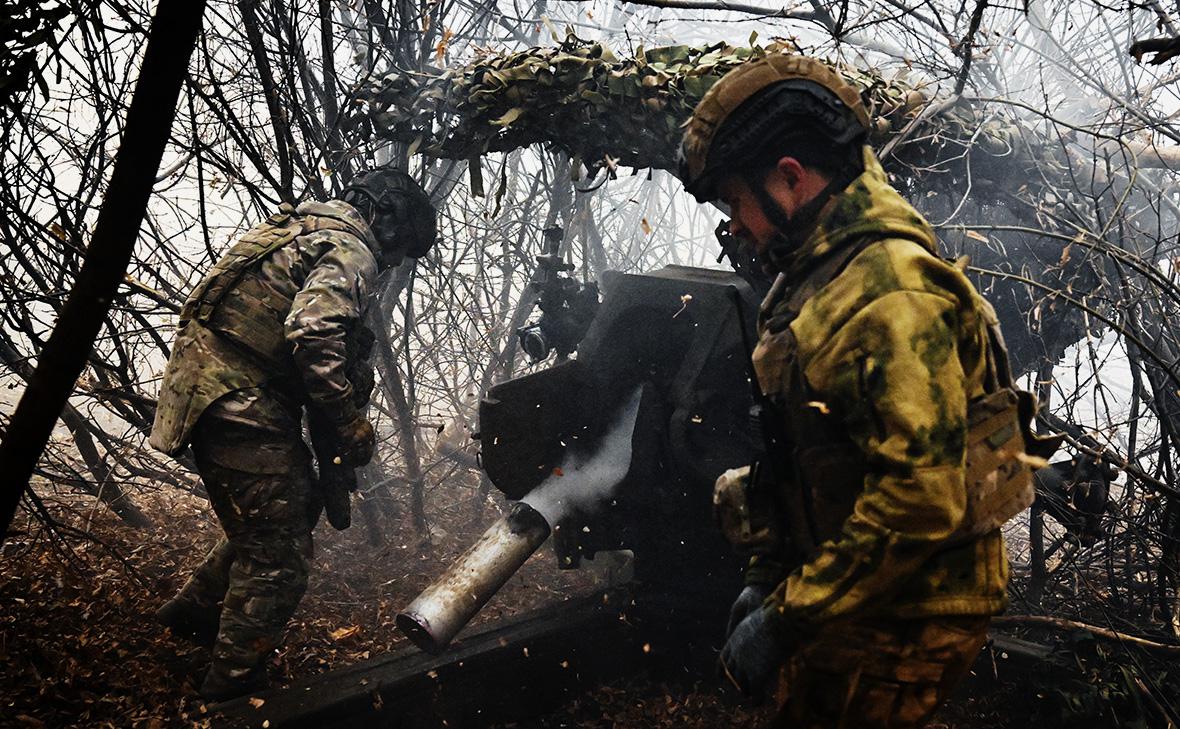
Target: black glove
x,y
355,441
749,600
752,655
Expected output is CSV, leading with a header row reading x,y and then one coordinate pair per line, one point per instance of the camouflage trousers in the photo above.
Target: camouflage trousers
x,y
866,674
257,471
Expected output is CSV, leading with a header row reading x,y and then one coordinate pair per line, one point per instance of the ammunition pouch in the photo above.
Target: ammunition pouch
x,y
744,506
999,482
1002,449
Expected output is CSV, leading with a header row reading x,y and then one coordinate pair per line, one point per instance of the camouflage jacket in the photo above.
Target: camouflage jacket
x,y
890,351
287,323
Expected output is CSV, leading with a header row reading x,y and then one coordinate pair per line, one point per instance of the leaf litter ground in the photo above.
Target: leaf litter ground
x,y
79,647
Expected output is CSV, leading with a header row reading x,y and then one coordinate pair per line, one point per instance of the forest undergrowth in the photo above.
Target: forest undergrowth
x,y
80,648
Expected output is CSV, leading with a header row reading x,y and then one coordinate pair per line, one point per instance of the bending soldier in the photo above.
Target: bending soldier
x,y
877,554
274,329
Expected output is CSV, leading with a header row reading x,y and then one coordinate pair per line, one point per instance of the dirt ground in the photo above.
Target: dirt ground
x,y
79,648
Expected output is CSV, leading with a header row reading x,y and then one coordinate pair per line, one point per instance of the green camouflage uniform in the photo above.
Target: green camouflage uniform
x,y
282,337
890,351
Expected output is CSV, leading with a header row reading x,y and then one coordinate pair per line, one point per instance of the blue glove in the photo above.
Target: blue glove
x,y
749,600
752,655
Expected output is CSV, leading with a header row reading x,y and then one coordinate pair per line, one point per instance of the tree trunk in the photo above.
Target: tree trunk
x,y
149,121
395,392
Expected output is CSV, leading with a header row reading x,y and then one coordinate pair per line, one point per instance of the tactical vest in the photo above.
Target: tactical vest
x,y
829,469
239,305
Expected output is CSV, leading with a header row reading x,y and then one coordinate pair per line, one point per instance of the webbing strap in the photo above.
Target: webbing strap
x,y
999,369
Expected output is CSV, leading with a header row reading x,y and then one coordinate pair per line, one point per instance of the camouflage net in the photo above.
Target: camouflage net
x,y
603,111
957,159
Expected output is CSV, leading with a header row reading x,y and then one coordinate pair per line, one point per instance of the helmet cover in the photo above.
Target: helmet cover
x,y
759,102
397,208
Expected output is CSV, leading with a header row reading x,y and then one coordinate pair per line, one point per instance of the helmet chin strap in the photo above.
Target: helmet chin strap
x,y
792,230
771,209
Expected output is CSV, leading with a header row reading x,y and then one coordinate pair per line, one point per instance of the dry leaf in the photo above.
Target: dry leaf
x,y
1033,462
820,406
440,50
509,116
342,633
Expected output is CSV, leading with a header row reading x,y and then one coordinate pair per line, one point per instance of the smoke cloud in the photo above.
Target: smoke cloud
x,y
587,480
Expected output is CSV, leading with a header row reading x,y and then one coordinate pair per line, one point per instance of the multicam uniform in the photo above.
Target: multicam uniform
x,y
874,364
272,328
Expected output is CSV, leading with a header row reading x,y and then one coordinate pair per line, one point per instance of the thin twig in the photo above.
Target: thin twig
x,y
1045,621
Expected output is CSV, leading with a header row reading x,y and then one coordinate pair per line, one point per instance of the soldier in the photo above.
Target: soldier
x,y
877,554
274,329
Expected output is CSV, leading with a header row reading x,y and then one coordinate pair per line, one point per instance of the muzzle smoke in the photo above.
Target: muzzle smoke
x,y
587,480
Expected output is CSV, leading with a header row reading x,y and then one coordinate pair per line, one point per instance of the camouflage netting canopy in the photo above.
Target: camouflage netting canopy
x,y
957,158
603,111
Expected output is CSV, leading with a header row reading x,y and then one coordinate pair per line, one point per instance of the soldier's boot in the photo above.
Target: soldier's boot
x,y
222,685
267,581
195,612
195,623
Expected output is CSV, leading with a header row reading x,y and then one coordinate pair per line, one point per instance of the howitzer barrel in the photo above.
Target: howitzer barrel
x,y
443,608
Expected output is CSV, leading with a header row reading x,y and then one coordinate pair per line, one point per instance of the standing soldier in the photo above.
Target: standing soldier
x,y
896,444
275,328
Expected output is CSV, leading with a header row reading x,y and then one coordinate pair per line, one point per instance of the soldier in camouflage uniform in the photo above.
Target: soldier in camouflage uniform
x,y
276,328
872,578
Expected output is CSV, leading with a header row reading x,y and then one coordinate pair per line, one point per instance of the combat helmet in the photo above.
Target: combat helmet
x,y
761,103
397,208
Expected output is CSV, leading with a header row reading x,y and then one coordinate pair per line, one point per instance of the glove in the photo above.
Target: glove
x,y
752,655
749,600
355,441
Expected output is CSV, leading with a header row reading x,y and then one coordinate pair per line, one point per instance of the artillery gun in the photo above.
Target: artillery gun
x,y
662,371
666,351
